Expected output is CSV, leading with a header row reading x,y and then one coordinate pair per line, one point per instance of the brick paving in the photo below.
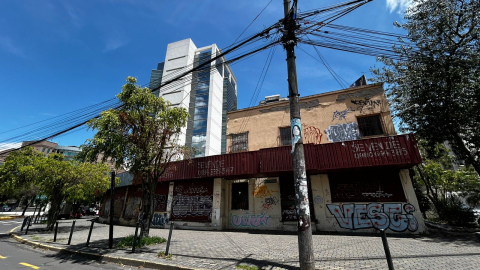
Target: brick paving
x,y
277,250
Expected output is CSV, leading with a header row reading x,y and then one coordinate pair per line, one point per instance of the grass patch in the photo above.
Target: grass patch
x,y
246,267
144,241
58,239
161,254
34,237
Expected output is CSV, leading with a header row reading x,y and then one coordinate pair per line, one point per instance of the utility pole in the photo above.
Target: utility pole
x,y
305,247
112,200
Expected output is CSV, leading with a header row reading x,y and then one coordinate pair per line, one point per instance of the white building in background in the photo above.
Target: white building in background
x,y
208,94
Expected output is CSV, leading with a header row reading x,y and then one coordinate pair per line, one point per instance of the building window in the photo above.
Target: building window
x,y
240,196
285,136
239,142
370,125
43,149
48,151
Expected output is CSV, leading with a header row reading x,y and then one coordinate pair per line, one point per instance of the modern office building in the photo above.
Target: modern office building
x,y
208,94
69,152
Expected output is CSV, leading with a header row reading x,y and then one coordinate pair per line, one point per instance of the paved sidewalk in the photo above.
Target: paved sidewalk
x,y
226,250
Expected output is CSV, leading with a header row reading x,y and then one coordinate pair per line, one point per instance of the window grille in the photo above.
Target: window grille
x,y
370,125
285,136
239,142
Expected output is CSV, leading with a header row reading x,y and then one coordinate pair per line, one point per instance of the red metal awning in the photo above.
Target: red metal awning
x,y
400,151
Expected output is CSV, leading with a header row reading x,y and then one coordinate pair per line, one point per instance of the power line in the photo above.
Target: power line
x,y
171,84
253,21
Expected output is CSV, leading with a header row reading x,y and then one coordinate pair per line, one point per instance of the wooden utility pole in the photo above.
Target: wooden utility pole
x,y
305,248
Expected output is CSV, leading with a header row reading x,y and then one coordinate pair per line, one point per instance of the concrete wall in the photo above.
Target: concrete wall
x,y
264,210
319,113
366,216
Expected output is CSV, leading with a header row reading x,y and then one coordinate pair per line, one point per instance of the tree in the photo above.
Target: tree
x,y
142,134
70,181
19,175
439,71
444,187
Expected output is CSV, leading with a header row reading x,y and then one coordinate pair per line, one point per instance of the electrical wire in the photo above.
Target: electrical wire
x,y
253,21
91,115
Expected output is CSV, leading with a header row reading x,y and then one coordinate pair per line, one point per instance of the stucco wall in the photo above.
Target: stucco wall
x,y
264,210
402,217
318,112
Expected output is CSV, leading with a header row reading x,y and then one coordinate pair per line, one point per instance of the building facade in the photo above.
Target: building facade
x,y
207,94
357,172
69,152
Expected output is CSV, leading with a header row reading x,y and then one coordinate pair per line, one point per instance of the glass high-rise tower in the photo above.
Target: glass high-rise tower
x,y
208,94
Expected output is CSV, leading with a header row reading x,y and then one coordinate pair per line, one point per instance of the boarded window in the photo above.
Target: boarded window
x,y
240,196
370,125
134,202
239,142
285,136
192,201
366,186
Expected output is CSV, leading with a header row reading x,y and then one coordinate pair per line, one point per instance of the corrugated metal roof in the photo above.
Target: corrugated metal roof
x,y
399,151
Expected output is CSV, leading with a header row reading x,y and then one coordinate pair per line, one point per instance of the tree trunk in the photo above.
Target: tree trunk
x,y
148,198
460,145
26,206
53,212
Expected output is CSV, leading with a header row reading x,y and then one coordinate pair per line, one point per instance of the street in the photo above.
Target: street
x,y
14,255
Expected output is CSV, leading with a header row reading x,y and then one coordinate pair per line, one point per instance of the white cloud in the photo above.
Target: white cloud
x,y
400,5
7,44
114,43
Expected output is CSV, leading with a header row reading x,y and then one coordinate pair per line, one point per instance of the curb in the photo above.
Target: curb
x,y
104,258
10,217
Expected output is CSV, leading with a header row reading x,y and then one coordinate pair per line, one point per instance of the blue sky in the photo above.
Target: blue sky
x,y
59,56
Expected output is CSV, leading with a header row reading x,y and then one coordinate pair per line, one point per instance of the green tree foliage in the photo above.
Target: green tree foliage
x,y
142,135
440,73
28,172
19,175
70,181
444,186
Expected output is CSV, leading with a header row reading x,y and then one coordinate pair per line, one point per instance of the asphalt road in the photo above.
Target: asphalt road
x,y
14,255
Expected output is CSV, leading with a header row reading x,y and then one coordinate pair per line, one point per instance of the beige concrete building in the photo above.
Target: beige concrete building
x,y
354,113
357,171
44,147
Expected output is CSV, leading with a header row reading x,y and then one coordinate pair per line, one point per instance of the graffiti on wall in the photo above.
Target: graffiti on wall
x,y
160,219
269,202
262,191
375,215
343,132
184,206
366,103
311,134
133,207
341,115
192,201
106,208
249,220
318,199
289,214
118,202
160,202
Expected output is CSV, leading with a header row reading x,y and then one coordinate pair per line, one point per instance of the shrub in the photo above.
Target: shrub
x,y
454,212
144,241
